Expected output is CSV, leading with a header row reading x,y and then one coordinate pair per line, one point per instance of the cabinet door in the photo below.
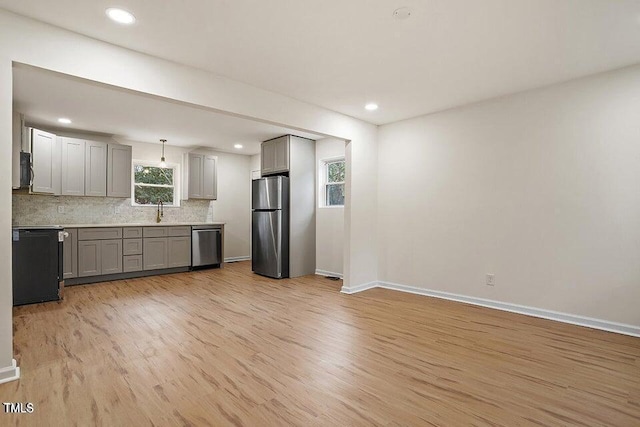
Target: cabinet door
x,y
154,253
70,254
118,170
131,263
196,165
43,145
179,251
111,253
132,247
268,156
72,166
95,169
89,258
281,163
209,182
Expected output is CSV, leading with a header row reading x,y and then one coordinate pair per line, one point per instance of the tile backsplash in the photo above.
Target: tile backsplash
x,y
31,209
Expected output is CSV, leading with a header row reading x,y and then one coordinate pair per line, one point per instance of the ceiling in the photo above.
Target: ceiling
x,y
44,96
342,54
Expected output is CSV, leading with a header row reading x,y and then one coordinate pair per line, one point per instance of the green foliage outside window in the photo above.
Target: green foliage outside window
x,y
153,184
334,188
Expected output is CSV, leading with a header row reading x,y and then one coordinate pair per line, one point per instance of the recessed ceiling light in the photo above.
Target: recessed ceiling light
x,y
372,106
121,16
237,146
64,121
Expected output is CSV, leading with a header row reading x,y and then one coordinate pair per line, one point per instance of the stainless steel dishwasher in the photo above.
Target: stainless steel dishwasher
x,y
206,246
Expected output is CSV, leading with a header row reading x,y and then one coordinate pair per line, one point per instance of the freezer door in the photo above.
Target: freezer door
x,y
267,256
268,193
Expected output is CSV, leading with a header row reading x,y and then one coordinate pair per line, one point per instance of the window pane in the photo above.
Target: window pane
x,y
335,172
335,194
153,175
151,195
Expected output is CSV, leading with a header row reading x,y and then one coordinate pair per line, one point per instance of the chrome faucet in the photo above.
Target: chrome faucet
x,y
160,211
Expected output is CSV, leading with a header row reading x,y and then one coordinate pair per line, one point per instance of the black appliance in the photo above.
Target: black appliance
x,y
37,264
25,170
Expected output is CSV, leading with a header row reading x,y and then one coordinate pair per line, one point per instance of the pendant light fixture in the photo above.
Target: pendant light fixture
x,y
163,164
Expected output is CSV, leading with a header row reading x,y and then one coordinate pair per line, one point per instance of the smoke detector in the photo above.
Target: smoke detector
x,y
402,13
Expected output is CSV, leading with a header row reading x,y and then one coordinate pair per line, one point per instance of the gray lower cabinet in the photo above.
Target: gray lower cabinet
x,y
132,247
70,254
99,251
97,257
131,263
111,253
166,252
179,251
154,253
89,258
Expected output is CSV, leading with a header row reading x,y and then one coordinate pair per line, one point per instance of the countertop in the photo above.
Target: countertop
x,y
137,224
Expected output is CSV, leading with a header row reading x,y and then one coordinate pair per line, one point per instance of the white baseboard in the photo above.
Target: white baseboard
x,y
10,373
358,288
237,258
328,273
573,319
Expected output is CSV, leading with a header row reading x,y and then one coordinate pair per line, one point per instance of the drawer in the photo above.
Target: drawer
x,y
132,232
179,231
154,232
99,233
131,263
132,247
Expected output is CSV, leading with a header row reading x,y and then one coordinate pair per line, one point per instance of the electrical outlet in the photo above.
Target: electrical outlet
x,y
60,209
491,279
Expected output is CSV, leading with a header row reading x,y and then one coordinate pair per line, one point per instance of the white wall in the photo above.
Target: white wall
x,y
329,220
33,43
255,162
541,189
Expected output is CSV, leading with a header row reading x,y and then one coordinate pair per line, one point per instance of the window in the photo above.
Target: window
x,y
152,184
333,178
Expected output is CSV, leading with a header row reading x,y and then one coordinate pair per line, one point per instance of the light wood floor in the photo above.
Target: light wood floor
x,y
226,347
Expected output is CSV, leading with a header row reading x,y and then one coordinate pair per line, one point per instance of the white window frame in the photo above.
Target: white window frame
x,y
151,163
324,181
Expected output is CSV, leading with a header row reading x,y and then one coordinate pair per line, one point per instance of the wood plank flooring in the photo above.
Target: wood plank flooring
x,y
226,347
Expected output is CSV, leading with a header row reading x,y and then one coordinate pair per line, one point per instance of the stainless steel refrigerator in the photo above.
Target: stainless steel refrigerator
x,y
270,226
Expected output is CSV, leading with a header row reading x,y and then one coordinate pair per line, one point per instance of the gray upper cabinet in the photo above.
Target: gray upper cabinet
x,y
72,166
95,169
209,178
70,254
195,175
203,181
275,155
45,152
118,170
